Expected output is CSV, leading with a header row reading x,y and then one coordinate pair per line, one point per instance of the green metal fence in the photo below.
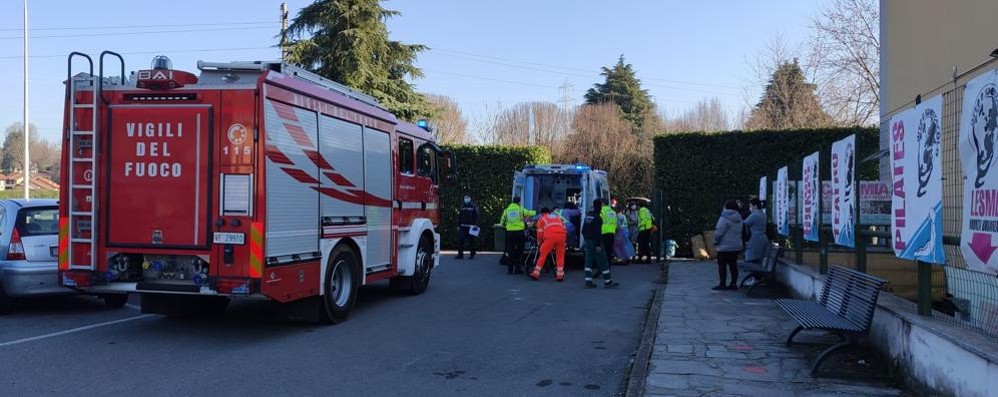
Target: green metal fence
x,y
949,292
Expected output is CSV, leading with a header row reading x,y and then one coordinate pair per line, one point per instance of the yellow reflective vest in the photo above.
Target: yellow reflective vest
x,y
513,218
609,220
645,219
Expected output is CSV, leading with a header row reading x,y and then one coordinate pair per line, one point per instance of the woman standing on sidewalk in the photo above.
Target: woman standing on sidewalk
x,y
728,239
756,225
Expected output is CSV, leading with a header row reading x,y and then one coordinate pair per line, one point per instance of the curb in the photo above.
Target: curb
x,y
639,365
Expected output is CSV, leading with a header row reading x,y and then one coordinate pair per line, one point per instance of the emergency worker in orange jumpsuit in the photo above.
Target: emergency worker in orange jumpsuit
x,y
551,235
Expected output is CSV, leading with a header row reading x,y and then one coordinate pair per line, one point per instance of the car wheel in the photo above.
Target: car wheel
x,y
341,284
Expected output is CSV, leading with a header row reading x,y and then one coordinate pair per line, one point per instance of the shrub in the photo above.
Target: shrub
x,y
486,174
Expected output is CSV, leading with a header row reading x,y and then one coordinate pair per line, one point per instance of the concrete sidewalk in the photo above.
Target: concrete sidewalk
x,y
722,343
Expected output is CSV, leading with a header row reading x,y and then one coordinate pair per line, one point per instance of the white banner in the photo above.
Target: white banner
x,y
916,168
810,197
782,224
762,188
978,129
844,191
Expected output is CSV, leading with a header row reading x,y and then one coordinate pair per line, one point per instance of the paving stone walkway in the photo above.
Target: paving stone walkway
x,y
722,343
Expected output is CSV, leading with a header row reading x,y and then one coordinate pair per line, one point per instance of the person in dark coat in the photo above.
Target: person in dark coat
x,y
743,209
592,233
728,239
755,248
467,218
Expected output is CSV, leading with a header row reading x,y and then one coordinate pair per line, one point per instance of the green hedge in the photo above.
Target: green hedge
x,y
35,193
486,174
697,172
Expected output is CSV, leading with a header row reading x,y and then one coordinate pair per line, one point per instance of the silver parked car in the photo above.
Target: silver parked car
x,y
29,245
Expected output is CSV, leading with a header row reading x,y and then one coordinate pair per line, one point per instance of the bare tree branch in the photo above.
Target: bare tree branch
x,y
450,126
845,50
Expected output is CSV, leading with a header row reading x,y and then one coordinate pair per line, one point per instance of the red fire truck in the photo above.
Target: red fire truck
x,y
251,179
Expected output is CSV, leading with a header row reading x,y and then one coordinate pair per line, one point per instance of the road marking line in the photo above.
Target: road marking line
x,y
69,331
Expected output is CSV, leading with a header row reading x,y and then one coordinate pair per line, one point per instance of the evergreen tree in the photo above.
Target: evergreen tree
x,y
347,41
622,88
788,102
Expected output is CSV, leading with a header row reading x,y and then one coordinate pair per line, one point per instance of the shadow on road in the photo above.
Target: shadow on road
x,y
56,305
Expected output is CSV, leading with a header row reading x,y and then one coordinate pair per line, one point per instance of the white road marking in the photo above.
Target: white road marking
x,y
69,331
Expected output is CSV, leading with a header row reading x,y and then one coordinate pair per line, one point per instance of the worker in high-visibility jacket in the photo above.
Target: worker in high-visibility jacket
x,y
645,224
514,219
609,230
551,235
592,227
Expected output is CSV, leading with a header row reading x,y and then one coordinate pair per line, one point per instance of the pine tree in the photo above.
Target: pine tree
x,y
622,88
788,102
347,41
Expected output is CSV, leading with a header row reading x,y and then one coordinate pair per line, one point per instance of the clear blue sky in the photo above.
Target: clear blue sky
x,y
482,52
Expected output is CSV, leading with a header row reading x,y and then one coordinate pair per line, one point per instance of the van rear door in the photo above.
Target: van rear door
x,y
519,181
157,190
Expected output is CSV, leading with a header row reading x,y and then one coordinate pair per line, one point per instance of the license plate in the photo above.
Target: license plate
x,y
230,238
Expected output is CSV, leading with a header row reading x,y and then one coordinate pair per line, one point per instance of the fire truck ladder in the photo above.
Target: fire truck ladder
x,y
84,147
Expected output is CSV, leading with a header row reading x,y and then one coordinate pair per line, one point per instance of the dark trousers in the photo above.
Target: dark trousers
x,y
466,240
727,261
596,259
514,250
644,244
608,246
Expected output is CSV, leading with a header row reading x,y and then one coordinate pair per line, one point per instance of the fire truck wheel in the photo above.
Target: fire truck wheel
x,y
114,301
342,282
420,280
6,303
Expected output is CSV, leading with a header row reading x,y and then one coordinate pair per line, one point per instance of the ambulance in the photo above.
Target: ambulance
x,y
255,180
568,188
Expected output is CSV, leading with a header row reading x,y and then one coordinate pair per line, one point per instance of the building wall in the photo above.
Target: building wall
x,y
922,40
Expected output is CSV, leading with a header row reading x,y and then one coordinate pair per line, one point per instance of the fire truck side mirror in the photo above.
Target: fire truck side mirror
x,y
450,167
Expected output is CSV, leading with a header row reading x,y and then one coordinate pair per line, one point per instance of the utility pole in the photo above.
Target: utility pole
x,y
566,96
27,162
531,139
564,119
284,30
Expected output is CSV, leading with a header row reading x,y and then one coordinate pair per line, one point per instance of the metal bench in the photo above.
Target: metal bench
x,y
845,307
761,274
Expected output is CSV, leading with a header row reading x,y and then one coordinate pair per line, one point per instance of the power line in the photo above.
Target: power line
x,y
578,69
491,79
142,26
589,75
152,52
133,33
536,84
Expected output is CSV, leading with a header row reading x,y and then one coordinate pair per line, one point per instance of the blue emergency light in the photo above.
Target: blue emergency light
x,y
422,123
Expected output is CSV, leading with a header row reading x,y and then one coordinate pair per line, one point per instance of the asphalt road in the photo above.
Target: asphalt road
x,y
475,332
